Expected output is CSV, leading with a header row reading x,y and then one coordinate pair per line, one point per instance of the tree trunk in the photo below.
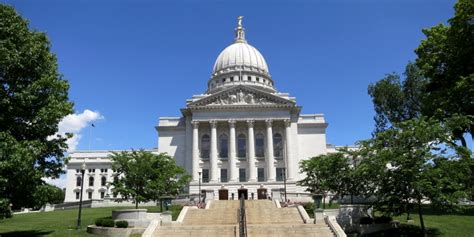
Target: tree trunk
x,y
421,219
136,203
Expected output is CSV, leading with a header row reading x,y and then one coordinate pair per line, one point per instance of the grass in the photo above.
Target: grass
x,y
444,224
458,223
60,223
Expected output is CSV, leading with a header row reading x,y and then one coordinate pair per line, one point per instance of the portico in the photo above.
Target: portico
x,y
230,161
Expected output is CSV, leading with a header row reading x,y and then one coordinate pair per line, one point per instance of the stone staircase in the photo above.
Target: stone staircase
x,y
264,219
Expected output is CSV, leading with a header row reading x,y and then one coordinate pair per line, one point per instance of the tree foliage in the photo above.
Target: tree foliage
x,y
413,161
33,99
397,100
48,194
332,172
143,176
446,57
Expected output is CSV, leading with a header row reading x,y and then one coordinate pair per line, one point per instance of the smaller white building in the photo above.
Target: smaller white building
x,y
97,176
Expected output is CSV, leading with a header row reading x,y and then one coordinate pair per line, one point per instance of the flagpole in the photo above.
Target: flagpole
x,y
90,135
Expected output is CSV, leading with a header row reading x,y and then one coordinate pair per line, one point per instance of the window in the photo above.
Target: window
x,y
223,151
223,80
91,181
91,170
77,195
102,194
261,175
242,175
258,79
103,181
205,146
277,145
78,181
205,175
89,195
280,174
103,170
259,143
241,146
223,175
78,171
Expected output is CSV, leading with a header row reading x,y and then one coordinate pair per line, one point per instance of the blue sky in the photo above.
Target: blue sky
x,y
135,61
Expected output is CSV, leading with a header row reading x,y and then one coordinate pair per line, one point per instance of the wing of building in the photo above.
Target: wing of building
x,y
240,137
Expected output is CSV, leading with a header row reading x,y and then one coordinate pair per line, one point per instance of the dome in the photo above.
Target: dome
x,y
241,55
240,64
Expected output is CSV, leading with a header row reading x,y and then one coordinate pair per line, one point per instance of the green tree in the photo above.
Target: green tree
x,y
143,176
33,99
48,194
411,162
446,57
327,173
396,100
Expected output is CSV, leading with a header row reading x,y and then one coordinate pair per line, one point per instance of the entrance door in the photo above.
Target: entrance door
x,y
262,193
243,192
223,194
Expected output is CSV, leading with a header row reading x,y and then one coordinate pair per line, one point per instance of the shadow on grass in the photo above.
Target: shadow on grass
x,y
405,230
25,233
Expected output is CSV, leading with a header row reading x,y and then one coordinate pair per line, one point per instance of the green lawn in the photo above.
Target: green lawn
x,y
60,223
458,223
444,224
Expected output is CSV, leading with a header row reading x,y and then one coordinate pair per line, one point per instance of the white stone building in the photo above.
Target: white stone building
x,y
239,138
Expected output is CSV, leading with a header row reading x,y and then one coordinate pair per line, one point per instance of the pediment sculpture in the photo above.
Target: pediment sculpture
x,y
239,97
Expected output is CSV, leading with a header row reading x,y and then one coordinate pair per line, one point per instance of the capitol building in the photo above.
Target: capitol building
x,y
241,137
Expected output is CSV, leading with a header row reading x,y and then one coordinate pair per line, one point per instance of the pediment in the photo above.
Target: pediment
x,y
242,96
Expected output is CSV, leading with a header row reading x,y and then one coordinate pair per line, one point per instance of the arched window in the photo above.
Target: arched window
x,y
241,145
205,146
91,181
78,181
103,181
259,145
277,145
223,146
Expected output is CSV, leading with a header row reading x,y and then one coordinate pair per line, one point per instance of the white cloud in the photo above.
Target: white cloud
x,y
74,123
60,182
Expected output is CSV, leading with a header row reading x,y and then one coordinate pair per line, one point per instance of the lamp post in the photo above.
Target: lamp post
x,y
199,187
83,171
284,183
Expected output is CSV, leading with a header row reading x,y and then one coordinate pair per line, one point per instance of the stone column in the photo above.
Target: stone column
x,y
232,154
290,165
214,170
270,159
251,152
195,152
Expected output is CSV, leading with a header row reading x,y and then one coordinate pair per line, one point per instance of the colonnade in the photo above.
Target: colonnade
x,y
232,158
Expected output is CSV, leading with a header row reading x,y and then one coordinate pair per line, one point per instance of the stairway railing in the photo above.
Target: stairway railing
x,y
242,219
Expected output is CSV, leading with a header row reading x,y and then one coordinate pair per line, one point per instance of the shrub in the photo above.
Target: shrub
x,y
382,219
367,220
121,224
108,223
98,221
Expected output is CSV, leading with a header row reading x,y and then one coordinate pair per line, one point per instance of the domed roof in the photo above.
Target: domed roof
x,y
240,54
240,64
